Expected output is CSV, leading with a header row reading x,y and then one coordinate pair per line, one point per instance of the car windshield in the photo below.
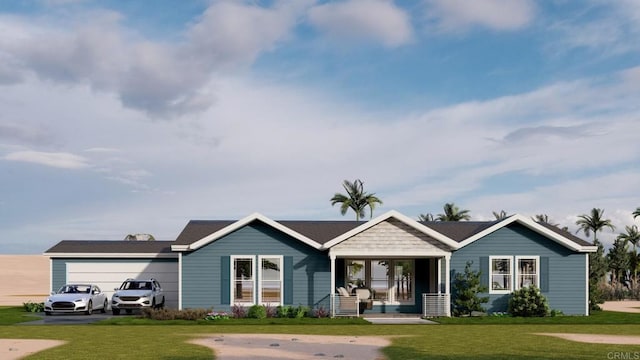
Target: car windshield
x,y
136,285
75,289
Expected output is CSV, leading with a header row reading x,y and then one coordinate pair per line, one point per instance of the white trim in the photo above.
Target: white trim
x,y
362,253
51,275
439,265
333,275
511,272
113,255
447,275
241,223
400,217
586,276
260,280
533,226
232,276
179,281
517,269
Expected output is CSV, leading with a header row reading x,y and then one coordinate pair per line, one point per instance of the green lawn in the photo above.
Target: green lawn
x,y
485,338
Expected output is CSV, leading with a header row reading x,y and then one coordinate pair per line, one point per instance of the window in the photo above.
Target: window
x,y
390,281
270,279
501,274
243,280
528,268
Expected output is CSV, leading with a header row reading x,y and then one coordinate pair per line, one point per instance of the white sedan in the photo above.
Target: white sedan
x,y
73,298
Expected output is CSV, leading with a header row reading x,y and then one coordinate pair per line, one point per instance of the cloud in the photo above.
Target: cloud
x,y
372,20
460,15
163,79
24,134
58,159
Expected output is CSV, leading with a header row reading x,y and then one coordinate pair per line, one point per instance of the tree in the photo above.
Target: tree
x,y
543,218
597,262
636,213
593,223
453,213
465,289
500,215
426,217
356,199
618,260
632,236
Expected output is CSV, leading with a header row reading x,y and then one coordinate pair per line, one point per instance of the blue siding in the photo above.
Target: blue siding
x,y
307,281
564,282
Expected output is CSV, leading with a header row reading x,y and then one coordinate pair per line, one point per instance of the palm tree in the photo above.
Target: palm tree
x,y
597,261
618,261
500,215
453,213
593,223
544,218
636,213
632,236
356,199
426,217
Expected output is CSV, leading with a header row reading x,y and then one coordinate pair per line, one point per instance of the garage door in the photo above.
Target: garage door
x,y
109,275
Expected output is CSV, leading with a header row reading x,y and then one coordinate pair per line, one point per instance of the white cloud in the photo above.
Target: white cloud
x,y
459,15
373,20
57,159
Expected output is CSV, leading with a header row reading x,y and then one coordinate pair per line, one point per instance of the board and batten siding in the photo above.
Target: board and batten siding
x,y
562,278
206,275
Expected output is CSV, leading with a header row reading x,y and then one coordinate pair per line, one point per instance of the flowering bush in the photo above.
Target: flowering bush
x,y
214,315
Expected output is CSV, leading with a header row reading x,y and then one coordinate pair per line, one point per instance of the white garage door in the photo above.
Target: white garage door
x,y
110,275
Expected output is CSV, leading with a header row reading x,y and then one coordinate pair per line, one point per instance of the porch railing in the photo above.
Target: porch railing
x,y
434,305
345,305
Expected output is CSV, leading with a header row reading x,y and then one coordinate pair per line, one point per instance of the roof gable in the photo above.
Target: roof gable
x,y
563,238
225,230
401,218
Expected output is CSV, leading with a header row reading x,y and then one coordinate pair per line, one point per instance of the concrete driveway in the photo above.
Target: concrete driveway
x,y
71,319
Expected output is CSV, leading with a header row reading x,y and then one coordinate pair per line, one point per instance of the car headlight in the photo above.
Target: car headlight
x,y
116,296
48,300
79,300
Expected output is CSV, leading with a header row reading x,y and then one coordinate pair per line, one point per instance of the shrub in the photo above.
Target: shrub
x,y
301,311
257,312
238,311
528,302
271,311
284,311
33,307
466,287
174,314
320,312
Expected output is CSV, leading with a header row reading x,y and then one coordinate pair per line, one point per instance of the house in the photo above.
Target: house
x,y
406,265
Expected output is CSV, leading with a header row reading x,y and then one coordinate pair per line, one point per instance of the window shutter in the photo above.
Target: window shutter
x,y
225,284
544,274
484,271
288,280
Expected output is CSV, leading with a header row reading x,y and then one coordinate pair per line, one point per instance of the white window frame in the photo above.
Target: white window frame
x,y
501,291
517,269
260,280
232,264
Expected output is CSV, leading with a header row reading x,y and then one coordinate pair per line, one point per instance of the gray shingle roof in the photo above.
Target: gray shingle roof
x,y
111,246
458,230
566,234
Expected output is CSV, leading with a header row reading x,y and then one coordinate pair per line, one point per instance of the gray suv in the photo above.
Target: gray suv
x,y
137,294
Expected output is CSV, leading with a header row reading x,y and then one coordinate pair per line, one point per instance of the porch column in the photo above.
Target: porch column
x,y
447,284
439,266
333,284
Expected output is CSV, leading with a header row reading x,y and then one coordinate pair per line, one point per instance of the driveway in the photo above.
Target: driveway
x,y
70,319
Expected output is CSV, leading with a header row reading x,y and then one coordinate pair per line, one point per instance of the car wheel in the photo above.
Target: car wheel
x,y
161,306
129,311
89,308
48,313
115,311
153,304
104,307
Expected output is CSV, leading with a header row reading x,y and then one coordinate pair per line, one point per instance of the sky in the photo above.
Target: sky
x,y
135,117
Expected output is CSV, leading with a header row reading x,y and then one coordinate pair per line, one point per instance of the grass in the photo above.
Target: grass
x,y
468,338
